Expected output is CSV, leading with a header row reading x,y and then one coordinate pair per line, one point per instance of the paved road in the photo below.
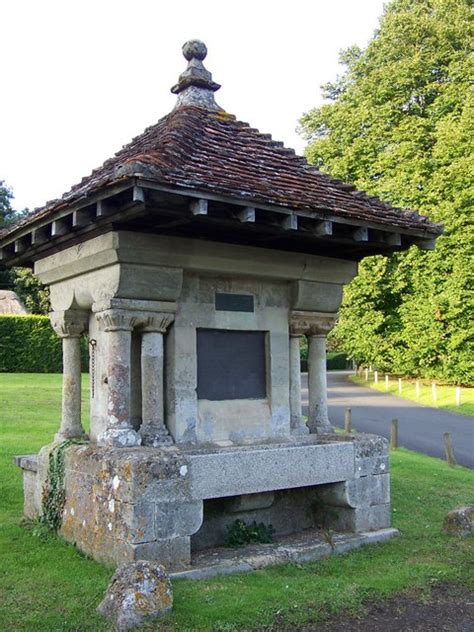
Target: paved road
x,y
420,428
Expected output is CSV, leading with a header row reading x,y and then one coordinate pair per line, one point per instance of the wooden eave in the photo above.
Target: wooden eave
x,y
139,204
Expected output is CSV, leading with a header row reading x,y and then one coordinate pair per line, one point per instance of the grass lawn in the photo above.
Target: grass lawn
x,y
47,585
445,394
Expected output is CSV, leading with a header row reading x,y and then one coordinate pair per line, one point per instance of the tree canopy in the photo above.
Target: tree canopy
x,y
22,280
398,124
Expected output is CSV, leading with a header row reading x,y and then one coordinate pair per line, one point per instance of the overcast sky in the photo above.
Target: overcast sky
x,y
81,78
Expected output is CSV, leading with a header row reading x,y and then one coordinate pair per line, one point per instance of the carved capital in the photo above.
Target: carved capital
x,y
116,320
70,323
311,323
158,322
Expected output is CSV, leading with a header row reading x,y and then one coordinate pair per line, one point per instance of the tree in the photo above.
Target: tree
x,y
398,124
34,295
7,215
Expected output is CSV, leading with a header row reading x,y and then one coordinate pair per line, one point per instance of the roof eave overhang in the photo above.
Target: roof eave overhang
x,y
136,202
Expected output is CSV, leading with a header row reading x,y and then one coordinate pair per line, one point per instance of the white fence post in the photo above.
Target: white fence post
x,y
386,382
417,389
400,385
458,396
433,391
376,377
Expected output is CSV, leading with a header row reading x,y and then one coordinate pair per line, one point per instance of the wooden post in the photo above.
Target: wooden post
x,y
376,377
417,389
347,420
400,385
394,434
386,382
433,391
366,371
458,396
448,446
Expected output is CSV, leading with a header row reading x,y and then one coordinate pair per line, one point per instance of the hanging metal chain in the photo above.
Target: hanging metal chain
x,y
93,345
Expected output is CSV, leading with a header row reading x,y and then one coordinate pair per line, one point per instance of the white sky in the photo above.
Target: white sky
x,y
80,78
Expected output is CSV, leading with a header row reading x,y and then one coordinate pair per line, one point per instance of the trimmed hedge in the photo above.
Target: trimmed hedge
x,y
337,361
28,344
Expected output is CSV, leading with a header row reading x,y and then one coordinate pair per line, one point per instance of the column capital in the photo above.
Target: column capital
x,y
116,320
69,323
158,322
311,323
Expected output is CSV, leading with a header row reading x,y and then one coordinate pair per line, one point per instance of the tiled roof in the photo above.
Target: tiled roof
x,y
199,147
211,151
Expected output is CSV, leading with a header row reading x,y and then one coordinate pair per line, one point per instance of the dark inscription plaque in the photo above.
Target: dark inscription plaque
x,y
230,364
234,302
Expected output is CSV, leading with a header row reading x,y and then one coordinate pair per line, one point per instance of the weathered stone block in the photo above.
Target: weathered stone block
x,y
31,489
173,553
366,491
459,521
138,521
175,519
372,465
139,591
250,502
362,518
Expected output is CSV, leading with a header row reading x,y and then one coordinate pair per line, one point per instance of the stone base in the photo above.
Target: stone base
x,y
309,546
130,503
155,436
119,438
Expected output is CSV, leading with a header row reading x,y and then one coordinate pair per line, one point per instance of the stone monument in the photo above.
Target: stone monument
x,y
194,260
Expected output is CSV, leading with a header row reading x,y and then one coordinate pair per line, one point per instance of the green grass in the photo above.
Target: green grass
x,y
47,585
445,394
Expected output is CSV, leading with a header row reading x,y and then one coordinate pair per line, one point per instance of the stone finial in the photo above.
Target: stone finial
x,y
194,49
195,85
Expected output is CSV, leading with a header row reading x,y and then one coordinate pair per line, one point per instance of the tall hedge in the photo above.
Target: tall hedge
x,y
28,344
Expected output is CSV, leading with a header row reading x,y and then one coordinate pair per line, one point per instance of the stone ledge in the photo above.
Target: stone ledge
x,y
288,550
27,462
250,471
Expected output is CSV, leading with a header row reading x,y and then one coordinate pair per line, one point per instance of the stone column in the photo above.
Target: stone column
x,y
316,325
153,430
118,325
296,421
318,420
69,325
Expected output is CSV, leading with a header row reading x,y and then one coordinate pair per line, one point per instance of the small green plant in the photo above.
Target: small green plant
x,y
38,529
240,533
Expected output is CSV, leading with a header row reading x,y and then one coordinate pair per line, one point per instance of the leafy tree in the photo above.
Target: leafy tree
x,y
398,124
32,292
34,295
7,215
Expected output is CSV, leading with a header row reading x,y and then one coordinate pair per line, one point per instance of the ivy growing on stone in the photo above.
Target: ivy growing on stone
x,y
54,492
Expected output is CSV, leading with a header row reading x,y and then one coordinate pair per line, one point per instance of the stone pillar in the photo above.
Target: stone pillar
x,y
316,325
118,325
69,325
153,430
296,421
318,420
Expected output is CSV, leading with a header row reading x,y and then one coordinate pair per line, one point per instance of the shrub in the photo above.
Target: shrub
x,y
240,533
28,344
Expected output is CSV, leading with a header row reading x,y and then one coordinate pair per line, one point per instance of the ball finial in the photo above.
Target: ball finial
x,y
194,49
